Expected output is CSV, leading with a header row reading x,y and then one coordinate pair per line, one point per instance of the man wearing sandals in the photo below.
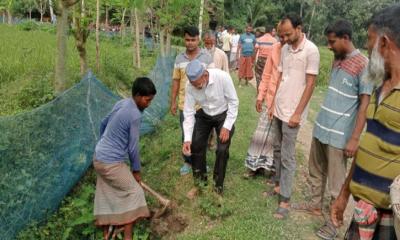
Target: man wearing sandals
x,y
339,123
377,162
299,66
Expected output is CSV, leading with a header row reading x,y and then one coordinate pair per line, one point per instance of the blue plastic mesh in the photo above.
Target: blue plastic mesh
x,y
44,152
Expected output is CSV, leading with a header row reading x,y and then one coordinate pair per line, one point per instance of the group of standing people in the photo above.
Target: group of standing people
x,y
363,91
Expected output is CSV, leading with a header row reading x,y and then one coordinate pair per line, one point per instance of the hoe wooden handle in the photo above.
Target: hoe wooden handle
x,y
164,201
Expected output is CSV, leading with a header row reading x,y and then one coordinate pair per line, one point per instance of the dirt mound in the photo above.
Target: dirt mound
x,y
169,224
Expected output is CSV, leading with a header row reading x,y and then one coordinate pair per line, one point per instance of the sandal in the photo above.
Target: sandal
x,y
281,213
307,208
327,232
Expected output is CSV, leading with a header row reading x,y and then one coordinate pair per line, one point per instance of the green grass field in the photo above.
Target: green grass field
x,y
241,214
27,67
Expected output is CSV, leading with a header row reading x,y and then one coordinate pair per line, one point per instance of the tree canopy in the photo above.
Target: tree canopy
x,y
172,15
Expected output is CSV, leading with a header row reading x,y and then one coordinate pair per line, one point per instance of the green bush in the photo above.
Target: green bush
x,y
47,27
28,25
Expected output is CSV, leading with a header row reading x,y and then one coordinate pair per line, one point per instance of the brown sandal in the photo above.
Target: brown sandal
x,y
307,208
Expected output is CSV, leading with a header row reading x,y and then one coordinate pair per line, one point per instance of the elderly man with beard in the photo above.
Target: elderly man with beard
x,y
339,123
377,161
219,57
221,62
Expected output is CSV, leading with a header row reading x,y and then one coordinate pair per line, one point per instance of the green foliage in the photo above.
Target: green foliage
x,y
74,219
35,94
213,206
32,25
178,12
28,25
259,13
326,60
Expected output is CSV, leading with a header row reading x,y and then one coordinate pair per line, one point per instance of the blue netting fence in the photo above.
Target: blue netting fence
x,y
45,152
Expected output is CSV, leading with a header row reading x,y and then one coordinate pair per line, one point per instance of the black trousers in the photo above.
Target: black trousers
x,y
202,128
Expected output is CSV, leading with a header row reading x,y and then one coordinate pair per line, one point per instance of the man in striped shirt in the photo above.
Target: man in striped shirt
x,y
339,123
377,162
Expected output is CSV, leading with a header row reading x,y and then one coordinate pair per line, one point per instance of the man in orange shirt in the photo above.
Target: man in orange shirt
x,y
263,49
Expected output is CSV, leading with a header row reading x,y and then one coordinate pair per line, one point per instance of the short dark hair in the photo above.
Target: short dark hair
x,y
387,21
294,19
268,28
340,28
143,86
191,31
213,25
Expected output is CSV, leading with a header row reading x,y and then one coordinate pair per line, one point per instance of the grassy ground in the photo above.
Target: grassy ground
x,y
241,214
27,67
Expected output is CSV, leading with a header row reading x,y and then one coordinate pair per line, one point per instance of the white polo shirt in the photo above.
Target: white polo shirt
x,y
295,65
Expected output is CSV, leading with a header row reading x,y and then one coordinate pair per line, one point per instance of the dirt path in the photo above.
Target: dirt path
x,y
304,145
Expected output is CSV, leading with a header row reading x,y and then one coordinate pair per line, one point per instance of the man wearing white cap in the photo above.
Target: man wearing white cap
x,y
213,90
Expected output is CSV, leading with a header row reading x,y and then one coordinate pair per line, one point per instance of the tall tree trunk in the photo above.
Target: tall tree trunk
x,y
201,17
137,39
311,19
4,17
52,15
168,42
107,24
62,38
81,47
30,14
132,17
162,43
41,16
123,25
83,12
9,16
98,35
151,20
81,33
301,9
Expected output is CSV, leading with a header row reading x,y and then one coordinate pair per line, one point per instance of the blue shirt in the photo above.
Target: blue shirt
x,y
336,120
119,134
247,42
